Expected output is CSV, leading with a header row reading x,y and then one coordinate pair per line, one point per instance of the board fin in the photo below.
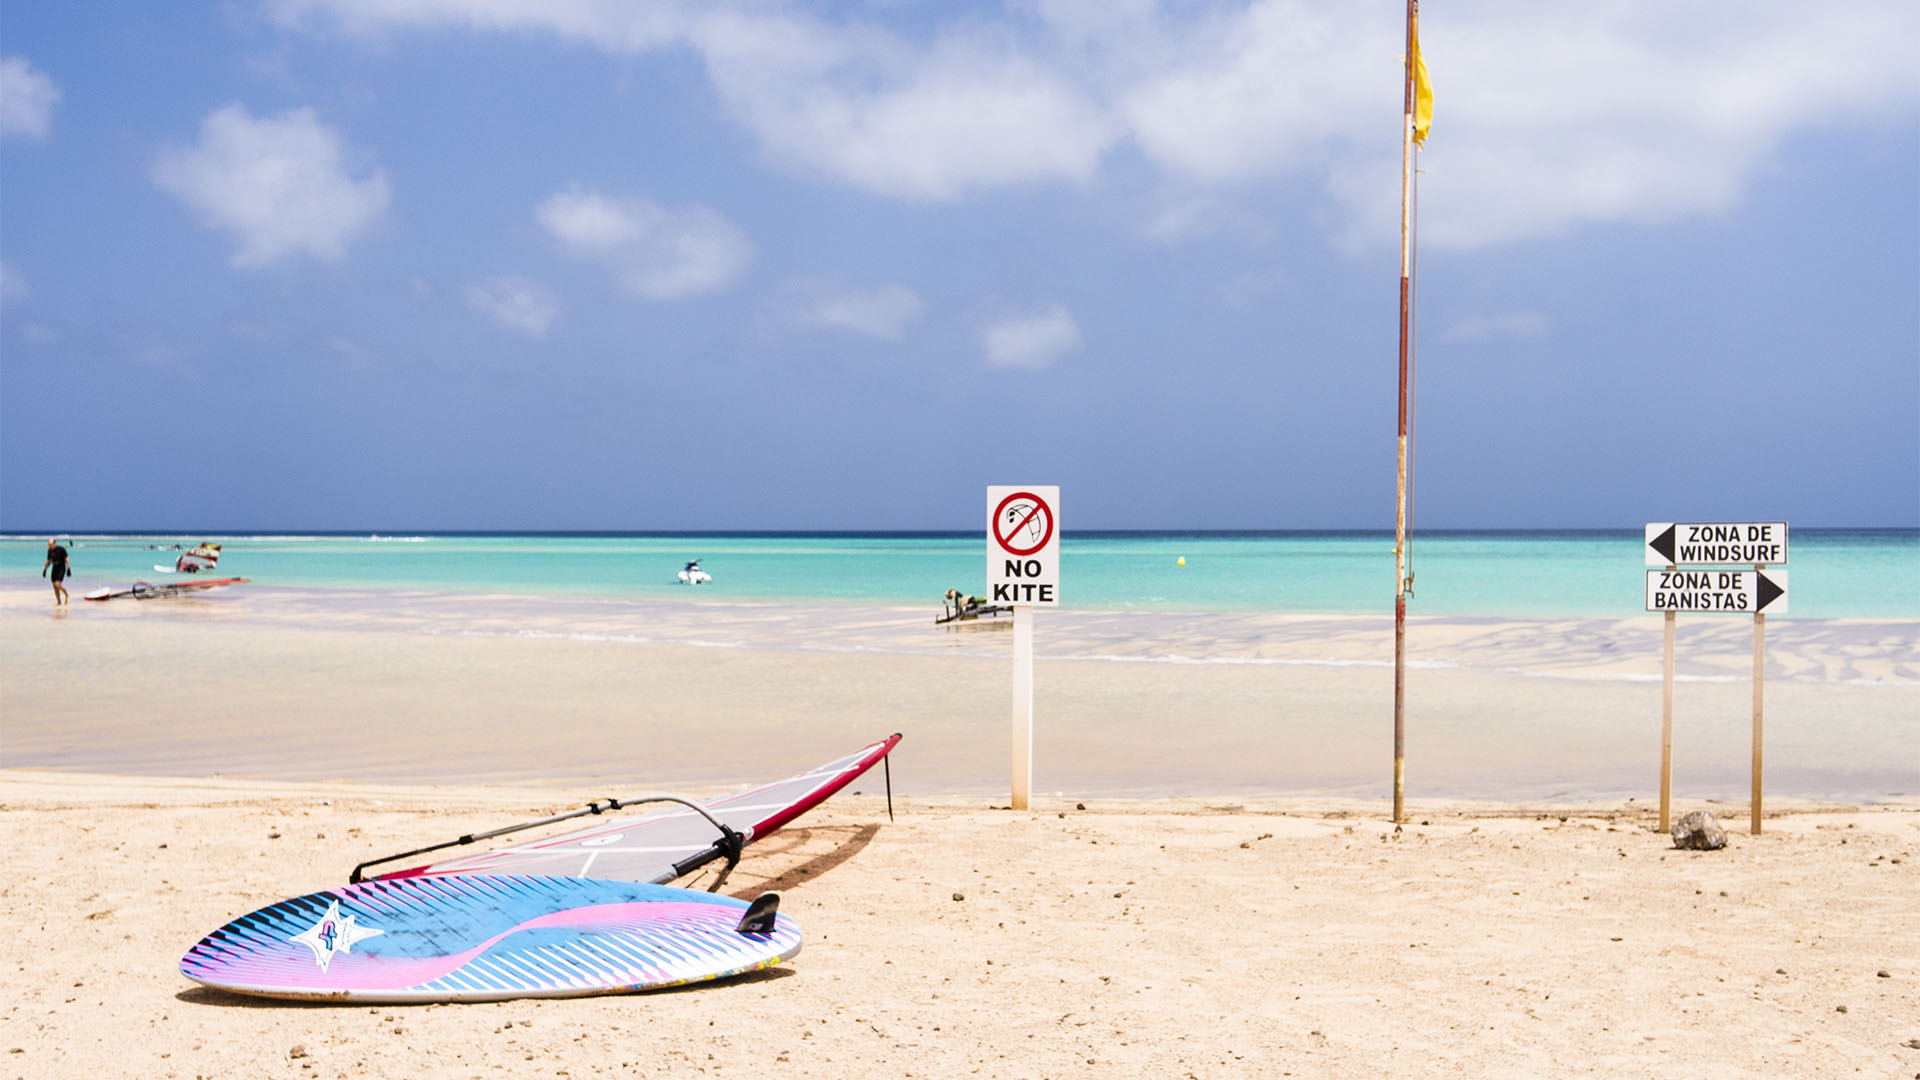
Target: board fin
x,y
760,913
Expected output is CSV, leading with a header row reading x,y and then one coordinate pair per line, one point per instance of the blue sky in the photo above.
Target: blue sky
x,y
586,264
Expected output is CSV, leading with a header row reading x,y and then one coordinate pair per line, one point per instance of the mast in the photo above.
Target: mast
x,y
1400,509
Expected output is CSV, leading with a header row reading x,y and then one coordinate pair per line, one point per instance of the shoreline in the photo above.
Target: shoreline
x,y
1597,646
1188,937
295,685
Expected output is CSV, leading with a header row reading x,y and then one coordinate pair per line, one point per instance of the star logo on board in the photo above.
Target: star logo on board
x,y
334,934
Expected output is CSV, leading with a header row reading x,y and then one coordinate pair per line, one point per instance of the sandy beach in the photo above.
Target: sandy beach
x,y
1194,937
1207,885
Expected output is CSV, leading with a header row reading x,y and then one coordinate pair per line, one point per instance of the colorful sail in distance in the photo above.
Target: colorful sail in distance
x,y
203,556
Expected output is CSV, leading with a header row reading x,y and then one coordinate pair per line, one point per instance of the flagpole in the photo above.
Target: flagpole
x,y
1400,511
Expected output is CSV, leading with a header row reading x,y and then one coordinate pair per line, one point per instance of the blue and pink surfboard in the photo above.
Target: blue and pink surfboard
x,y
527,921
489,938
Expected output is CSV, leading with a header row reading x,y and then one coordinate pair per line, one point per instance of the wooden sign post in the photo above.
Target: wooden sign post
x,y
1759,699
1666,732
1677,547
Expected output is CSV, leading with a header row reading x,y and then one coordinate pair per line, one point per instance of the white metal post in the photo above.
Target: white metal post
x,y
1022,705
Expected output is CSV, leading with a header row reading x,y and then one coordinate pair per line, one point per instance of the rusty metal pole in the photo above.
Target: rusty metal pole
x,y
1400,510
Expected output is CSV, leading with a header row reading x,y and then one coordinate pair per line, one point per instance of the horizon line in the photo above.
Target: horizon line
x,y
338,533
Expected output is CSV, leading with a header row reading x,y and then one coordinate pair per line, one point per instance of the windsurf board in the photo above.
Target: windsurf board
x,y
490,938
141,590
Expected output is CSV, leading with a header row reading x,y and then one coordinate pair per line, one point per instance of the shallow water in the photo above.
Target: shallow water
x,y
1834,573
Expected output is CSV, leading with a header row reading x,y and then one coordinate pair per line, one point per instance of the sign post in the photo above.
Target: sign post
x,y
1666,730
1759,693
1677,547
1023,569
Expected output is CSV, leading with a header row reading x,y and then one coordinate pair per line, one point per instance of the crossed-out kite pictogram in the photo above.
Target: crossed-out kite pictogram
x,y
1011,518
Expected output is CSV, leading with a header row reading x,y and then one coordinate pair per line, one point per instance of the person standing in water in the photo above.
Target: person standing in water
x,y
56,562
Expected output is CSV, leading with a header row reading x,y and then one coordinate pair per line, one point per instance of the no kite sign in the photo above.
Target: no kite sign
x,y
1023,544
1023,570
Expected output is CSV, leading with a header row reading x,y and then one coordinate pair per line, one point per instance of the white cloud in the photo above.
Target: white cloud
x,y
27,98
13,286
963,116
1265,91
1645,113
280,185
516,303
883,313
653,252
1031,342
1499,326
1547,117
842,99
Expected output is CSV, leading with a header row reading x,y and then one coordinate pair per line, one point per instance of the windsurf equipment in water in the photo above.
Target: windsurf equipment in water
x,y
656,847
141,590
959,608
203,556
693,575
490,938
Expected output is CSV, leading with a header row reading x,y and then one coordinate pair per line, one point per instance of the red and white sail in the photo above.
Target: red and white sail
x,y
646,847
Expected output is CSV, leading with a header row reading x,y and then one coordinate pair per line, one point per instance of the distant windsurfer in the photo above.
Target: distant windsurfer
x,y
201,557
58,565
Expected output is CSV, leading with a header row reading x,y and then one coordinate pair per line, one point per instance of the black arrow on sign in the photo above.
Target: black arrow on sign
x,y
1663,544
1765,592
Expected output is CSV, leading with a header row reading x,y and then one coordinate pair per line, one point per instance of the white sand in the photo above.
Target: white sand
x,y
1266,922
1178,938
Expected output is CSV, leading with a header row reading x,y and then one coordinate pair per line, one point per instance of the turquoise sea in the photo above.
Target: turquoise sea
x,y
1852,573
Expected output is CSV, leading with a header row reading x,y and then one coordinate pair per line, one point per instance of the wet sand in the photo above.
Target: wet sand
x,y
310,684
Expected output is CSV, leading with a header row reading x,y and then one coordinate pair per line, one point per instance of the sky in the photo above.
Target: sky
x,y
286,265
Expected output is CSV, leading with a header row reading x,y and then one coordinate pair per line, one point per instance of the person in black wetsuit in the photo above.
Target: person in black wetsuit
x,y
56,562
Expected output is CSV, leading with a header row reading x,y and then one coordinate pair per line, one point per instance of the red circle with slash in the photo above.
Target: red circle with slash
x,y
1039,507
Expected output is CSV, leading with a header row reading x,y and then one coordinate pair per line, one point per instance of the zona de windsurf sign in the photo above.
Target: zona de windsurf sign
x,y
1693,575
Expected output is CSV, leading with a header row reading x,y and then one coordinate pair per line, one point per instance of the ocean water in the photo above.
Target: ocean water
x,y
1833,573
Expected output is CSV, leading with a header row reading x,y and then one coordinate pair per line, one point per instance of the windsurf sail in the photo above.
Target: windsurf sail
x,y
655,847
202,556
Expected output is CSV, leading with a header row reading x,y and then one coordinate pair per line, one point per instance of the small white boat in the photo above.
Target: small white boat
x,y
693,575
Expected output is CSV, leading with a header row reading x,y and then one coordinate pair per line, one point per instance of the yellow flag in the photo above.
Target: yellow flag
x,y
1422,93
